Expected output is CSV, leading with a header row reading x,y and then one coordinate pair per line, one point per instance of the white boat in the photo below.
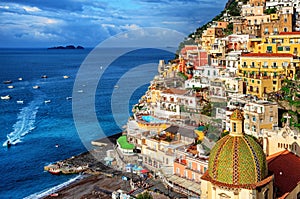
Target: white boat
x,y
116,86
80,91
10,86
6,97
36,87
65,76
20,78
20,102
47,101
68,98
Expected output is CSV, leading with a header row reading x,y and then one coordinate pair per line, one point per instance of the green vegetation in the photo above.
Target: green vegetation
x,y
183,76
234,9
207,110
229,29
270,11
145,195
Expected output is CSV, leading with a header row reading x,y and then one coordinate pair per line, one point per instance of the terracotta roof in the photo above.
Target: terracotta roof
x,y
175,91
289,33
285,166
267,55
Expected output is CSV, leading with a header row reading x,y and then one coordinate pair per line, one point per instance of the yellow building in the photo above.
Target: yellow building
x,y
265,72
285,42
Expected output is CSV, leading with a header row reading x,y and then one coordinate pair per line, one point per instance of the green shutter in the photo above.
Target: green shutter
x,y
280,48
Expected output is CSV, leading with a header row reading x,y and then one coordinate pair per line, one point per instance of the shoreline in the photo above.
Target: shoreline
x,y
93,182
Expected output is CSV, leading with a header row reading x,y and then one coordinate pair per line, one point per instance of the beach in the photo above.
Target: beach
x,y
99,181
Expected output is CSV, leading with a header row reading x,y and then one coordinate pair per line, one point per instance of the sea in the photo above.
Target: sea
x,y
40,123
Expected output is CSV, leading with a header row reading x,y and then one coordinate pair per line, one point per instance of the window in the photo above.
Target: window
x,y
271,119
177,171
247,116
247,126
254,119
254,128
234,127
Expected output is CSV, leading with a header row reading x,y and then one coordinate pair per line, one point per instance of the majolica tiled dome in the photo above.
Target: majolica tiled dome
x,y
237,160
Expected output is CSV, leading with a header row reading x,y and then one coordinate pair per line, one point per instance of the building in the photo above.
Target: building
x,y
281,139
237,167
260,115
265,72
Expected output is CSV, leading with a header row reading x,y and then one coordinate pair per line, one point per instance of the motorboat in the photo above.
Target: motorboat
x,y
20,102
7,82
47,101
20,78
68,98
54,171
80,91
66,77
36,87
10,86
44,76
116,86
6,97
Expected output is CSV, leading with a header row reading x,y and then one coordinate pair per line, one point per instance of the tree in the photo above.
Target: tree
x,y
145,195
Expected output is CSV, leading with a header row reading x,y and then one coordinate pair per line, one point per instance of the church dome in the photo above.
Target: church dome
x,y
237,161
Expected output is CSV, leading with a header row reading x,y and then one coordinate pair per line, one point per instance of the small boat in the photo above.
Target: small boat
x,y
6,97
10,86
8,144
116,86
65,76
80,91
20,102
20,78
47,101
54,194
44,76
7,82
36,87
54,171
68,98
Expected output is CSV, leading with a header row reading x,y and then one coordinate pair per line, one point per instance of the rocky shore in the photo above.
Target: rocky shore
x,y
98,181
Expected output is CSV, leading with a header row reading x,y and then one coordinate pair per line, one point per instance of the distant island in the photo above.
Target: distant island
x,y
66,47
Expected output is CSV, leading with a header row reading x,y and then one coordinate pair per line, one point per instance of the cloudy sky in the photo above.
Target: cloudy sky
x,y
44,23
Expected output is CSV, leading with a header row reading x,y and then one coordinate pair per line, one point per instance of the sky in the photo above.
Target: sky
x,y
47,23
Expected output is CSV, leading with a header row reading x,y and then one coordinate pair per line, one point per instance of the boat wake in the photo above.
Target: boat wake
x,y
25,123
53,189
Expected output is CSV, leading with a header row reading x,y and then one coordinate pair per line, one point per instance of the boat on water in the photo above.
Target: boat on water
x,y
6,97
20,78
8,144
36,87
20,102
68,98
10,86
7,82
54,171
44,76
80,91
116,86
47,101
66,77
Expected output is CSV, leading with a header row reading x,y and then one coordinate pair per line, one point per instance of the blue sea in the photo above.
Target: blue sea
x,y
36,128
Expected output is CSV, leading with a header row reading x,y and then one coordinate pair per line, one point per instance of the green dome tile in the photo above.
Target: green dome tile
x,y
237,160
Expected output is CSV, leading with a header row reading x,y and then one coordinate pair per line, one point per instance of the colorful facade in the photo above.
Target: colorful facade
x,y
265,72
